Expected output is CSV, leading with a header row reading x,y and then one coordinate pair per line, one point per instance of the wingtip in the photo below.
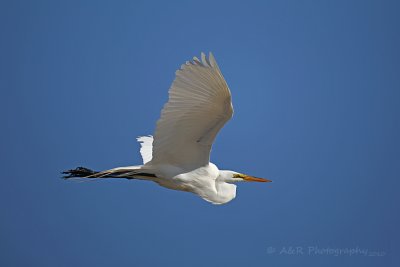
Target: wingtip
x,y
203,58
144,138
212,59
196,59
206,60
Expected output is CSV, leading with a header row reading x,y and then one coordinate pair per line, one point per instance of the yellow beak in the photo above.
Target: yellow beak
x,y
255,179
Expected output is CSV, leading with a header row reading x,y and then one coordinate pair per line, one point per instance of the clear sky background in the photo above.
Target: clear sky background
x,y
316,93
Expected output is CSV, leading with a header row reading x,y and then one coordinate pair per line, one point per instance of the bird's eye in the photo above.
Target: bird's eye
x,y
237,175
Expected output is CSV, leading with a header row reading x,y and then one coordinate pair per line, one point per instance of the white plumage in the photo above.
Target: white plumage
x,y
199,105
178,157
146,147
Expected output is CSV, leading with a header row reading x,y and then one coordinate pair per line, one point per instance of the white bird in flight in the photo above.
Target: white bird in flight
x,y
178,156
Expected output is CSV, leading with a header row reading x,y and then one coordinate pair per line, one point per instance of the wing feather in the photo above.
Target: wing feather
x,y
146,147
199,105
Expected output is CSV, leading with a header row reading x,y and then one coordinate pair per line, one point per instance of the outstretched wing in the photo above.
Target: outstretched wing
x,y
198,107
146,147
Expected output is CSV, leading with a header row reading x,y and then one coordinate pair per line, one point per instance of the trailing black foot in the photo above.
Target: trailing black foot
x,y
78,172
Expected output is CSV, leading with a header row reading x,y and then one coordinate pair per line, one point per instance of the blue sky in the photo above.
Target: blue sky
x,y
316,93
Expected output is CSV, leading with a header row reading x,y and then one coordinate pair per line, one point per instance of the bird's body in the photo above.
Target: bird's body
x,y
178,157
202,181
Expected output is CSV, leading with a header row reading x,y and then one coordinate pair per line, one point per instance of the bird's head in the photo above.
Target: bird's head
x,y
233,177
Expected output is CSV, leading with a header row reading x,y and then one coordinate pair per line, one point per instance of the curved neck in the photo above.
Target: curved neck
x,y
222,193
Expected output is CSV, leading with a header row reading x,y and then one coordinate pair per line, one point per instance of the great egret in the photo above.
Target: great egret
x,y
178,157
